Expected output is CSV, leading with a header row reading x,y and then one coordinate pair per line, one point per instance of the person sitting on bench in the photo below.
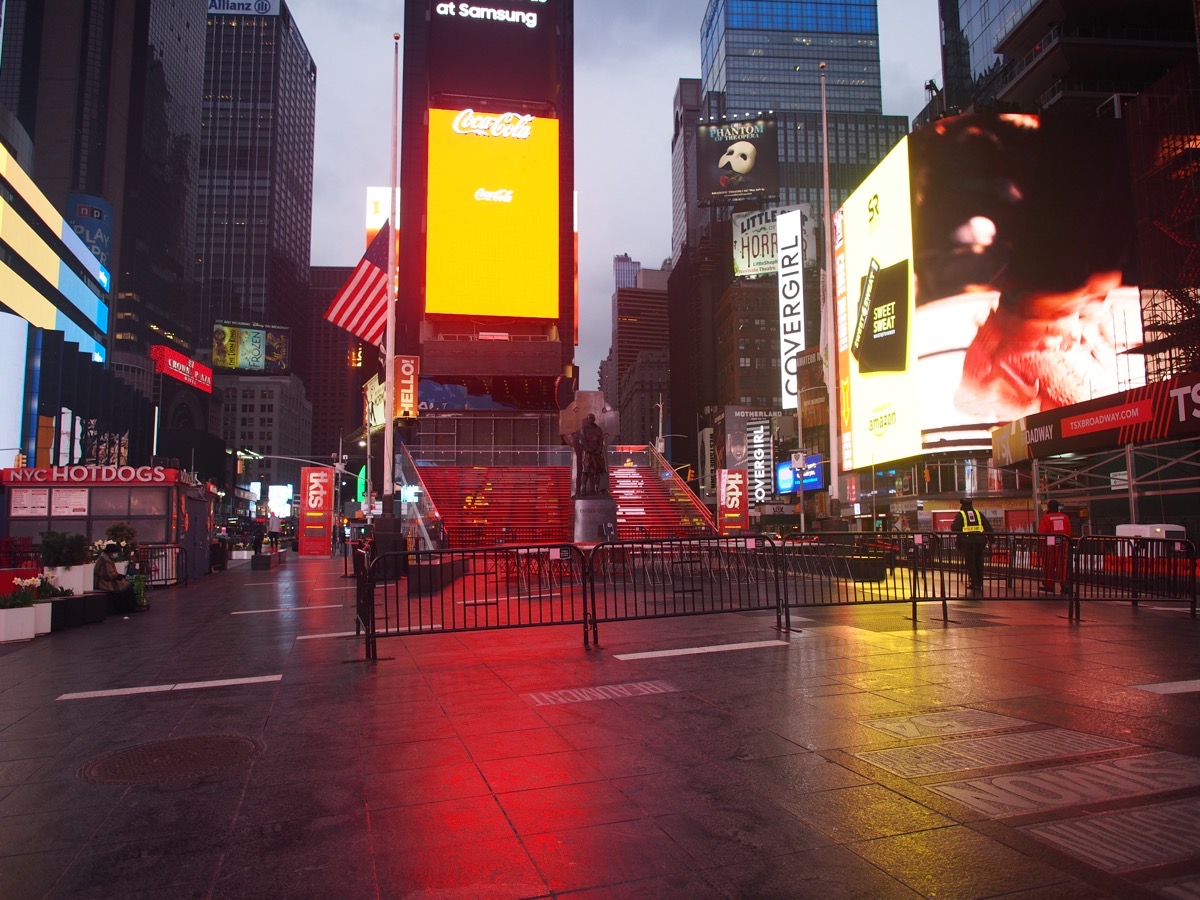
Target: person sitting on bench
x,y
105,577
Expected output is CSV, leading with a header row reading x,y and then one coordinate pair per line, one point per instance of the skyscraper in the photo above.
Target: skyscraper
x,y
256,169
487,251
110,95
1035,56
763,59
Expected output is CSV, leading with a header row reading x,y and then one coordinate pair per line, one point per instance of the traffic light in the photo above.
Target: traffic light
x,y
19,460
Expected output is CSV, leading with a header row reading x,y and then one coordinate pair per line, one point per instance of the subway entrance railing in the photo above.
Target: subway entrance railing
x,y
521,586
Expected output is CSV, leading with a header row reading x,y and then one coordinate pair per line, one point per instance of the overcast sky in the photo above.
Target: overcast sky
x,y
629,57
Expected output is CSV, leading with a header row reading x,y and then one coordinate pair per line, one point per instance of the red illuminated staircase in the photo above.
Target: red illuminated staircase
x,y
487,505
652,504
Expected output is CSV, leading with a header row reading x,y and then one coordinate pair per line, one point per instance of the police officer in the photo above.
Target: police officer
x,y
972,528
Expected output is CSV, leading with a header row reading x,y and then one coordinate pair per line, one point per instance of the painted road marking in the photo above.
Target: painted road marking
x,y
980,753
689,651
603,692
1022,793
282,609
1171,687
321,637
1130,838
164,688
946,722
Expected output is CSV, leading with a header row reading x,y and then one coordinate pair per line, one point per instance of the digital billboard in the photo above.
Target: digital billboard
x,y
872,237
737,160
1027,296
250,348
983,272
493,216
506,48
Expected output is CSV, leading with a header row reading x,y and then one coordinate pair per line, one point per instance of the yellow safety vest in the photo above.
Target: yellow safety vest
x,y
972,522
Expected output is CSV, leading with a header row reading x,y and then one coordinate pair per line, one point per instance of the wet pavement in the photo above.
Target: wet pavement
x,y
230,742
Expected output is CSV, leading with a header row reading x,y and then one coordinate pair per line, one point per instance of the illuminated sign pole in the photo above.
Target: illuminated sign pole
x,y
389,350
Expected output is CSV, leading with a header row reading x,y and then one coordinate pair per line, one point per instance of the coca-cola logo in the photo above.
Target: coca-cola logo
x,y
500,196
505,125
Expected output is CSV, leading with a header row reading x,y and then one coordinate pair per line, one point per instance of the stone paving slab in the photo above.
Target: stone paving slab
x,y
1008,753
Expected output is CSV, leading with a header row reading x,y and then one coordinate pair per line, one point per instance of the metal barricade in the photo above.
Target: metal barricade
x,y
423,591
845,568
162,564
1133,569
685,577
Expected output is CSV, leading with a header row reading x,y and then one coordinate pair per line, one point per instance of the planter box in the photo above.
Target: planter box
x,y
42,614
77,578
65,612
16,624
241,554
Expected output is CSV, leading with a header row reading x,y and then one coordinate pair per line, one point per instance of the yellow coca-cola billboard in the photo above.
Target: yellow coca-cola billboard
x,y
493,217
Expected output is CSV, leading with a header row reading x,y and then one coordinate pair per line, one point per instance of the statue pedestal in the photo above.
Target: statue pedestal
x,y
592,514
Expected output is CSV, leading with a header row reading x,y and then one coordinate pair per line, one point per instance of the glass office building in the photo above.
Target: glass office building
x,y
765,55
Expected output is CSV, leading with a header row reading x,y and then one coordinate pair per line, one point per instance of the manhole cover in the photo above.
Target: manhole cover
x,y
171,760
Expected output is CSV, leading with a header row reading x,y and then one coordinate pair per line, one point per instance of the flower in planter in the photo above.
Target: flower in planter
x,y
46,586
23,595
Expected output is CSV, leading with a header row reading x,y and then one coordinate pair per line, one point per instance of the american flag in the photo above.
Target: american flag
x,y
360,307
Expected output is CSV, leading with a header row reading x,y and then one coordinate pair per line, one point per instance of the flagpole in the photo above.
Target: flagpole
x,y
831,376
389,348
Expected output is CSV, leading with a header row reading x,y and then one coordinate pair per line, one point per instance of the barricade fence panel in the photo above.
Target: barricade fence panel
x,y
511,586
480,589
162,564
1125,568
655,579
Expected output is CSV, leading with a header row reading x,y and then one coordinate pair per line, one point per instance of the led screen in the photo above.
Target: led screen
x,y
494,50
493,218
264,349
872,248
984,272
1026,290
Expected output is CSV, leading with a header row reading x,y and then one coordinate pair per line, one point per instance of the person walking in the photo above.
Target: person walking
x,y
972,528
1056,525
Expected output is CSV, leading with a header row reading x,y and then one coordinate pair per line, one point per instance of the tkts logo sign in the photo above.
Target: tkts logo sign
x,y
316,491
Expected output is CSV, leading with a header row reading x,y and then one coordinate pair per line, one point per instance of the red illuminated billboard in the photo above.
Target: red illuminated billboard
x,y
176,365
493,217
983,272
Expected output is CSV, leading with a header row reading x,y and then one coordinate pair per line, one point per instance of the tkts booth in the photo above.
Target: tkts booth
x,y
316,511
165,506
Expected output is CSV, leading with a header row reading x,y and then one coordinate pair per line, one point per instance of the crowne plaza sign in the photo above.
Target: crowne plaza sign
x,y
181,368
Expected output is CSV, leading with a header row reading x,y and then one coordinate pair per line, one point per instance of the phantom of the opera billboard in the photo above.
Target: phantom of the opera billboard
x,y
493,219
466,40
737,160
983,272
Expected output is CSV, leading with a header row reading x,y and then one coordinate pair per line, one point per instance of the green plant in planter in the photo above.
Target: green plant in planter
x,y
138,583
124,536
21,597
62,549
46,588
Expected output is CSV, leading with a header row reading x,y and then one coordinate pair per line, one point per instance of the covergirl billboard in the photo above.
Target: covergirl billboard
x,y
983,272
